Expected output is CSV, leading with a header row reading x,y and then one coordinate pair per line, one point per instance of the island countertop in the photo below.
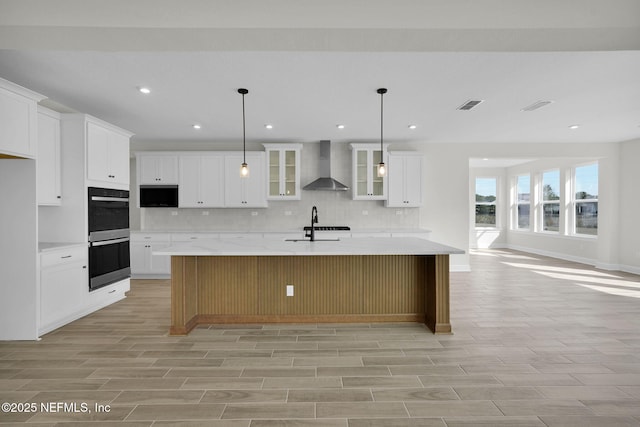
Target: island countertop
x,y
272,246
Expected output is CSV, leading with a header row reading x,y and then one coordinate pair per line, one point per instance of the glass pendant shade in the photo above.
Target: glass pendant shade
x,y
244,170
382,170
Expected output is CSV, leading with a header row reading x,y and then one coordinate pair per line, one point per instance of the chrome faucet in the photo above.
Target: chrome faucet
x,y
314,220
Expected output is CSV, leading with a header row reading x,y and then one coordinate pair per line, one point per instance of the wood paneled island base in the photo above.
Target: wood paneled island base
x,y
326,289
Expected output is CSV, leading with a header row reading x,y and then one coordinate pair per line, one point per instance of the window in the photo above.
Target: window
x,y
486,202
550,200
586,199
523,202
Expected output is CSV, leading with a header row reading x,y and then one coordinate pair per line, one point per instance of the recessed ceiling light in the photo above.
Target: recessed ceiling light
x,y
340,126
144,90
574,126
486,158
412,126
268,126
196,126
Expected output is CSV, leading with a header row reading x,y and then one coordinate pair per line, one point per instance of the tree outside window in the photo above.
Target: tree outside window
x,y
551,201
486,202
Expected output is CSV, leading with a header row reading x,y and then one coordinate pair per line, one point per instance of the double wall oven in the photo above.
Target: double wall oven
x,y
108,236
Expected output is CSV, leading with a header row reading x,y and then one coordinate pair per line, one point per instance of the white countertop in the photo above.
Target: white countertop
x,y
266,246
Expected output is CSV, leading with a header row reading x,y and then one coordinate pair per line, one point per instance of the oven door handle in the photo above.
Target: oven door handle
x,y
109,242
109,199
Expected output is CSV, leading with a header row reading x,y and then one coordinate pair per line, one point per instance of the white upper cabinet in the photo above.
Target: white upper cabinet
x,y
18,121
107,154
366,183
283,170
157,169
201,183
247,192
48,158
405,179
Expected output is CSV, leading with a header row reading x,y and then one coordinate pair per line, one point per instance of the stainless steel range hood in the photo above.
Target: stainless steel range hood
x,y
325,182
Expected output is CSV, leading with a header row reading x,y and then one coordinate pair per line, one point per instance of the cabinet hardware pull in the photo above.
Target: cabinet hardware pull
x,y
66,256
112,291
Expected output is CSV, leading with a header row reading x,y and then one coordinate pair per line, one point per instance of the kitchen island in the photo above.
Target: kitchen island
x,y
262,280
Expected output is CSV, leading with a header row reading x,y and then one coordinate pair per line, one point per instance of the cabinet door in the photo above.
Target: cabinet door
x,y
396,182
17,125
189,183
212,181
118,158
62,290
248,191
158,169
107,155
48,160
97,153
283,173
366,182
159,264
413,180
139,258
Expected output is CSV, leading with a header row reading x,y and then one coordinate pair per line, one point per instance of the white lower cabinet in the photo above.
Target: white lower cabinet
x,y
143,262
63,286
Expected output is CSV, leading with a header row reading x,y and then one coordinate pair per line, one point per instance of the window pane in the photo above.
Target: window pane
x,y
523,216
587,218
485,215
524,188
486,190
551,216
587,182
551,185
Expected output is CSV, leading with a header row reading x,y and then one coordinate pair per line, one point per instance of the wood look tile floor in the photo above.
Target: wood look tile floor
x,y
536,342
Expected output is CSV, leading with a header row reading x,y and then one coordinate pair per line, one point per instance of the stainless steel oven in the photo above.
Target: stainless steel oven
x,y
109,258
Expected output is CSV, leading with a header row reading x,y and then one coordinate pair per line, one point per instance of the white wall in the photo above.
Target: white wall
x,y
628,216
19,296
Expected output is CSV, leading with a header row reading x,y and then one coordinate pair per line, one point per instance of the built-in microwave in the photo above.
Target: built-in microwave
x,y
158,196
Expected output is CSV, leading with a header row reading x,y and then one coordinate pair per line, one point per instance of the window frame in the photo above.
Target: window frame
x,y
542,202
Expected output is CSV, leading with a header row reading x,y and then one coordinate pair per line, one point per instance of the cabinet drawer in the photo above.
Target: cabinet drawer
x,y
150,237
63,256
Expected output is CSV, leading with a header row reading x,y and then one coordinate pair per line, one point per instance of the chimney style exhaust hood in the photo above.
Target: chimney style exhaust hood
x,y
325,182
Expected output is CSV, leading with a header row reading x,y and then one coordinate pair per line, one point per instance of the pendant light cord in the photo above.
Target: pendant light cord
x,y
244,132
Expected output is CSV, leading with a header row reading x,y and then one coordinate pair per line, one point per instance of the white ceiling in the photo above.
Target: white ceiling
x,y
307,80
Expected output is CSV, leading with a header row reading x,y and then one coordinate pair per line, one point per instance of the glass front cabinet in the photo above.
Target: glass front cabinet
x,y
283,171
367,185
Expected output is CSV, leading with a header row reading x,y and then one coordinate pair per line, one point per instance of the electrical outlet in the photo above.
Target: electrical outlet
x,y
205,213
289,290
365,212
174,213
398,212
254,213
287,213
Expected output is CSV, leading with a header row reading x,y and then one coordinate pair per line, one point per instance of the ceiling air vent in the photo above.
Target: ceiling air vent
x,y
536,105
469,105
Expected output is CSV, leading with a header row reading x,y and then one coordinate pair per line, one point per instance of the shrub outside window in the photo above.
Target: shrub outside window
x,y
551,200
586,199
486,190
523,202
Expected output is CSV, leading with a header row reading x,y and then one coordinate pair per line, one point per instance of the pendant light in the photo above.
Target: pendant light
x,y
244,168
382,169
